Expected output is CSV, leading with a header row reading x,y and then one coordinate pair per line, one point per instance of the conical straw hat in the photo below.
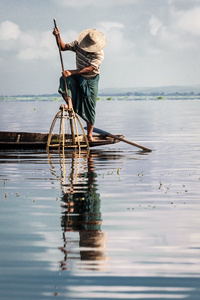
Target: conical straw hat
x,y
91,40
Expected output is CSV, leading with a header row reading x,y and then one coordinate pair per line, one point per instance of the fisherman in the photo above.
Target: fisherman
x,y
82,83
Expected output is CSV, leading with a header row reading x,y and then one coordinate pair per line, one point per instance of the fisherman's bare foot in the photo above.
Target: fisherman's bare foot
x,y
90,138
89,132
65,106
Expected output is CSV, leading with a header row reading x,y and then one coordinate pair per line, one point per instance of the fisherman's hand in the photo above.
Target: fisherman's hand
x,y
56,31
66,73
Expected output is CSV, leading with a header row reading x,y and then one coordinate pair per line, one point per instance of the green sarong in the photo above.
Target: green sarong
x,y
83,93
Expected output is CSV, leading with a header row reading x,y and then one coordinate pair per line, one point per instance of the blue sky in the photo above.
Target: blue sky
x,y
149,42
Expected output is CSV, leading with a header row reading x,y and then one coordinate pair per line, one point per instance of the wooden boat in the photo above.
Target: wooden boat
x,y
31,140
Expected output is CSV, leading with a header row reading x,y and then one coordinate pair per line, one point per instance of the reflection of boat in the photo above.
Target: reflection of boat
x,y
31,140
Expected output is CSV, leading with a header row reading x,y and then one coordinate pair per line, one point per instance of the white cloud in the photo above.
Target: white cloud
x,y
26,45
8,31
27,39
171,39
180,29
107,26
184,2
27,54
189,21
115,35
155,25
35,45
93,3
38,45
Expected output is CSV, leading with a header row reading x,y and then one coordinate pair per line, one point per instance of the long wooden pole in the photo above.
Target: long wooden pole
x,y
60,53
100,131
62,66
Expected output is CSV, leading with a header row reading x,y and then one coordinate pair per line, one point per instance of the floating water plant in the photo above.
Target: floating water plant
x,y
118,171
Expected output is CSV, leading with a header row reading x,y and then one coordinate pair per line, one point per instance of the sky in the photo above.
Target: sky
x,y
149,42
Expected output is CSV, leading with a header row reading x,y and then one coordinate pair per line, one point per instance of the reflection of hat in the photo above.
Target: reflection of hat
x,y
91,40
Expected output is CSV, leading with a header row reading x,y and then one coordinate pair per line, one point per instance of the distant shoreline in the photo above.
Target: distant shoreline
x,y
135,92
105,97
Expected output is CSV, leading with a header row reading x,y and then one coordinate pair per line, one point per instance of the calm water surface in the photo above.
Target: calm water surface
x,y
115,224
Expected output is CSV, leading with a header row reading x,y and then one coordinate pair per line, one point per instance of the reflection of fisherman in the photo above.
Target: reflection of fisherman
x,y
82,214
84,206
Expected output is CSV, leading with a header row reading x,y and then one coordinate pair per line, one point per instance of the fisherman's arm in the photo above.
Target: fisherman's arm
x,y
56,33
86,70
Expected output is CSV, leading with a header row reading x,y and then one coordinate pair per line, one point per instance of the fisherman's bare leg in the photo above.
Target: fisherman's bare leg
x,y
68,101
90,128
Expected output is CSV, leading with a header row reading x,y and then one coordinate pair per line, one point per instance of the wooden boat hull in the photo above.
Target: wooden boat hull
x,y
31,140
